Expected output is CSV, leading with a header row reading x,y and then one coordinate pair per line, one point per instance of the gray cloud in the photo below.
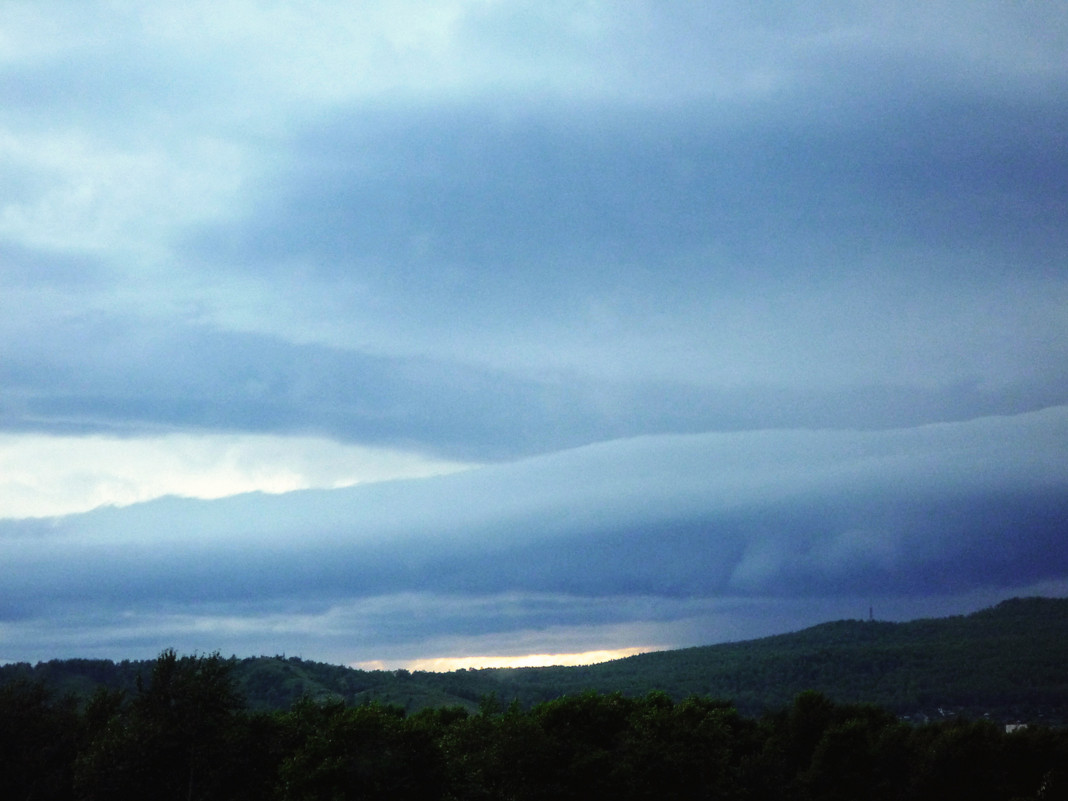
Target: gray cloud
x,y
92,375
884,247
414,197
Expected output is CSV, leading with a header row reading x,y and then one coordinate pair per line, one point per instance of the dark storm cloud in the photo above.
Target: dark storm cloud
x,y
787,515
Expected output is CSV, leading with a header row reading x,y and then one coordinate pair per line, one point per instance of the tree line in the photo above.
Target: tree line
x,y
1008,662
184,732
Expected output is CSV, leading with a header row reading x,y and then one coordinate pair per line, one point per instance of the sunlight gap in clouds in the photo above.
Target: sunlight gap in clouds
x,y
447,664
43,476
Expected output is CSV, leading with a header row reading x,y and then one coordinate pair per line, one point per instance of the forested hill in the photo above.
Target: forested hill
x,y
1009,662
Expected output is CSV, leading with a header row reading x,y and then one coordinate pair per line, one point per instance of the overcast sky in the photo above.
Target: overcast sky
x,y
388,331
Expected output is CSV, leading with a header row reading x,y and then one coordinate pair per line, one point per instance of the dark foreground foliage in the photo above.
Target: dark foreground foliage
x,y
184,733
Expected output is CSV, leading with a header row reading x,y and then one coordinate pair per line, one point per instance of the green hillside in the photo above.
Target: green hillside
x,y
1009,662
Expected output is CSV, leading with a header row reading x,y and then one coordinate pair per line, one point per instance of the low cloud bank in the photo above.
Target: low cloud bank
x,y
792,516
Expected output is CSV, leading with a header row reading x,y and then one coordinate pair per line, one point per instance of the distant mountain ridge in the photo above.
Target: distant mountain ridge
x,y
1008,662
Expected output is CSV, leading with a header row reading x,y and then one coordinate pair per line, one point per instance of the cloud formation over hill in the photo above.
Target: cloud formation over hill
x,y
654,528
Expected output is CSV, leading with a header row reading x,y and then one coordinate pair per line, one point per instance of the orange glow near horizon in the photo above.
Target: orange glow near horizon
x,y
446,664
